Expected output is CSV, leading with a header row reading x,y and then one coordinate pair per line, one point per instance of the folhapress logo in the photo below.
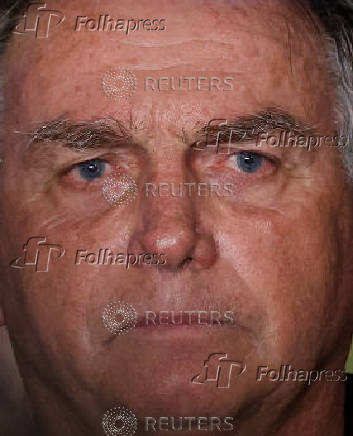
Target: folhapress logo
x,y
218,369
37,254
38,19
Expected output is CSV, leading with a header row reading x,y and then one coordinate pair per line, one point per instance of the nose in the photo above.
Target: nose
x,y
169,230
171,225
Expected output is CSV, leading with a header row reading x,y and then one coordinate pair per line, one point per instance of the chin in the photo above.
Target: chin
x,y
154,373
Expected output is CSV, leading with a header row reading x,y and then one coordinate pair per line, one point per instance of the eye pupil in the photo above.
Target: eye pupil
x,y
249,162
92,169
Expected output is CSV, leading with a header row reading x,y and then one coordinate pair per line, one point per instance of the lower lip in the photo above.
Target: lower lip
x,y
178,331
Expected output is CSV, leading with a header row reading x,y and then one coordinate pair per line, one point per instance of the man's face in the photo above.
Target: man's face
x,y
273,252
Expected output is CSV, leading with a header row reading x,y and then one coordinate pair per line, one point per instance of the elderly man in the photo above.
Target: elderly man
x,y
239,255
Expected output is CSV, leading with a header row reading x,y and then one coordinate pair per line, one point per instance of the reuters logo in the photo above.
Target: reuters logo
x,y
119,317
119,421
119,190
119,83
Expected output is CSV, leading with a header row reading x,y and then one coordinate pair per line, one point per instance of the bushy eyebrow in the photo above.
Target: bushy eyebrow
x,y
110,133
81,135
248,127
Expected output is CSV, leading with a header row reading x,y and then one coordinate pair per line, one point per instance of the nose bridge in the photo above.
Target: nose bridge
x,y
163,194
168,214
169,221
168,211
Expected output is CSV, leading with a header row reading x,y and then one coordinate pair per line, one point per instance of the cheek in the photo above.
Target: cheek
x,y
287,263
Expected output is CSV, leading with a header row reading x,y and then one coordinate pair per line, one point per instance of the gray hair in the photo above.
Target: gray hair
x,y
335,17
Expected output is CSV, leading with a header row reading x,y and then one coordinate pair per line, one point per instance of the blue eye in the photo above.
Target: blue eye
x,y
92,169
249,162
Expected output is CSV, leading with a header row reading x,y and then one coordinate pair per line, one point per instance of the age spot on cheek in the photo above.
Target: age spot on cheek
x,y
119,189
118,84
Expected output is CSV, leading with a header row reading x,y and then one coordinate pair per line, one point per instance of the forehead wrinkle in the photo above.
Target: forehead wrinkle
x,y
194,55
202,46
237,63
177,41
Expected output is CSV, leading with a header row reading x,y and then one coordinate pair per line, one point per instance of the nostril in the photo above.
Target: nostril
x,y
173,264
185,263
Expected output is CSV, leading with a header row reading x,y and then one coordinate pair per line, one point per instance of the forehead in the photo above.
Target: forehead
x,y
264,46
